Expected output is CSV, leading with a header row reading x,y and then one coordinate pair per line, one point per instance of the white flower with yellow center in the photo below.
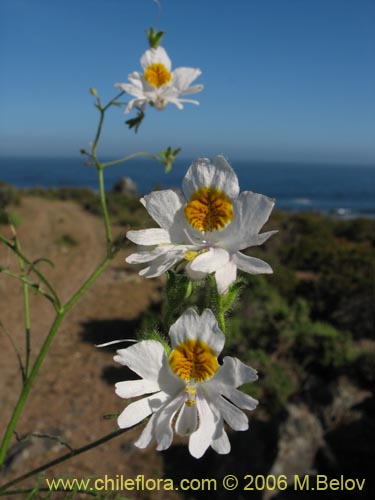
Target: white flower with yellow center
x,y
188,390
208,226
159,84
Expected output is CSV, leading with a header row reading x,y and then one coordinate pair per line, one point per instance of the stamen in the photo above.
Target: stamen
x,y
190,402
157,75
191,392
192,254
209,209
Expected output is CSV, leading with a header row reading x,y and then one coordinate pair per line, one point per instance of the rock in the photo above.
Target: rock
x,y
301,436
125,185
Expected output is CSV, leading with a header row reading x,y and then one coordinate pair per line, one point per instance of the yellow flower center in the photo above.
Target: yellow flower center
x,y
193,361
157,75
209,209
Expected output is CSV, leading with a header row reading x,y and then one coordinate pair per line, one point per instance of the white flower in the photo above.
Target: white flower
x,y
188,389
158,84
207,226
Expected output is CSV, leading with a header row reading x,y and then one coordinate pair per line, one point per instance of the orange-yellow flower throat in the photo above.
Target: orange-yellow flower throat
x,y
157,75
209,209
193,361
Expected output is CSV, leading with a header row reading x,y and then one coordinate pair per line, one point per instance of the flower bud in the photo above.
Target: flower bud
x,y
154,37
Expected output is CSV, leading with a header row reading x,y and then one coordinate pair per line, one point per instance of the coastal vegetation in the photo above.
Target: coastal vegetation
x,y
314,315
307,329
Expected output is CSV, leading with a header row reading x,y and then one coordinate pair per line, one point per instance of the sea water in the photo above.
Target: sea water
x,y
345,190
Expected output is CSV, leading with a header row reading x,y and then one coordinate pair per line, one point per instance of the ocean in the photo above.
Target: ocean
x,y
342,190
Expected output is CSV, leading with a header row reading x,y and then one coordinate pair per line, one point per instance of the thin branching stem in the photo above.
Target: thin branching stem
x,y
131,157
107,225
29,283
67,456
40,275
61,311
26,307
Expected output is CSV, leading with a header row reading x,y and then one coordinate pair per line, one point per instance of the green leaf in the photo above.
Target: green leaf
x,y
136,122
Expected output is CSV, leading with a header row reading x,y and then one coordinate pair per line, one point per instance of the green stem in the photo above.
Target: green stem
x,y
103,202
27,387
67,456
26,305
61,311
98,271
130,157
102,111
42,354
13,247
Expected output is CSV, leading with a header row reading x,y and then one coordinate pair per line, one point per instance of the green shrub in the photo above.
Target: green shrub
x,y
9,195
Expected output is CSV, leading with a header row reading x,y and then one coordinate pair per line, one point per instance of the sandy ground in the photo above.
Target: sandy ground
x,y
75,386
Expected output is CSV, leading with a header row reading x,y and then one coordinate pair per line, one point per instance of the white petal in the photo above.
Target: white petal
x,y
158,55
147,256
225,276
219,174
148,434
251,265
153,236
134,88
134,388
145,358
234,417
233,373
138,411
136,103
163,422
161,264
192,326
255,209
187,420
201,439
178,102
259,239
163,205
240,399
192,90
211,261
182,78
220,441
194,275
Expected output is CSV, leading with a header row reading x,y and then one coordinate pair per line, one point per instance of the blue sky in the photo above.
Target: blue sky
x,y
284,79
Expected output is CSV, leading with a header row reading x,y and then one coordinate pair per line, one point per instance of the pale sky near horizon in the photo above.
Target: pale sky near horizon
x,y
284,79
